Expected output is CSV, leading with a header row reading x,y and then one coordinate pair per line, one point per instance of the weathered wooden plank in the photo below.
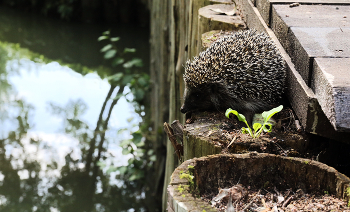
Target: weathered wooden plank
x,y
210,20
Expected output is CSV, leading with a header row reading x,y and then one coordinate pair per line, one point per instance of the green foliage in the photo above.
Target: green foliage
x,y
257,127
128,73
74,189
182,188
348,194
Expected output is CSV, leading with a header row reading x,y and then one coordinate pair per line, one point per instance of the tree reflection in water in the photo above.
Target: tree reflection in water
x,y
81,183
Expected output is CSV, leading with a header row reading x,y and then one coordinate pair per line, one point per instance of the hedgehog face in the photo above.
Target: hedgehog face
x,y
206,97
197,99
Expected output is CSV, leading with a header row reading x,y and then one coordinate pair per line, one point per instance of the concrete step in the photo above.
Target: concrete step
x,y
315,35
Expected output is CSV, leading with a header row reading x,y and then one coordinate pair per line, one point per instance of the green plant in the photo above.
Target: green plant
x,y
187,176
257,127
348,194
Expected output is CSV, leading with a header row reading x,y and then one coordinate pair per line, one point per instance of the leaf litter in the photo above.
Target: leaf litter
x,y
239,198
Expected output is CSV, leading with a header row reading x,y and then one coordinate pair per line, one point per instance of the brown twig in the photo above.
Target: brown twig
x,y
178,147
233,140
287,201
247,206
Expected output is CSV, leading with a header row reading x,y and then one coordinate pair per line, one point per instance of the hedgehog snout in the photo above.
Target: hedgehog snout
x,y
183,109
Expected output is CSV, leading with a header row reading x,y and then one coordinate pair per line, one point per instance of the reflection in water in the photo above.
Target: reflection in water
x,y
57,130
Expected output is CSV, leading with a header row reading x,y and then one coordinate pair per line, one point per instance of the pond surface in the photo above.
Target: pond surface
x,y
55,147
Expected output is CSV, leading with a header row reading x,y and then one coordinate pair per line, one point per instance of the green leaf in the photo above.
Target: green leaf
x,y
106,48
153,158
114,39
140,152
101,164
126,50
115,77
106,32
136,137
269,129
268,114
111,169
127,79
136,176
110,53
126,151
141,144
139,94
125,143
240,117
142,81
117,61
130,119
117,97
150,152
102,38
134,62
246,130
256,126
122,169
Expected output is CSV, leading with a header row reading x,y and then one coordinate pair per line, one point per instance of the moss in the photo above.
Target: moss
x,y
348,194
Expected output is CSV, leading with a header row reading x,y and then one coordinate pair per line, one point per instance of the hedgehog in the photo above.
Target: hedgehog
x,y
244,71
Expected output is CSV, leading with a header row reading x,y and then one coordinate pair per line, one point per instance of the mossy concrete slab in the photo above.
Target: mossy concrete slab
x,y
252,16
313,15
331,84
316,16
298,92
264,6
306,43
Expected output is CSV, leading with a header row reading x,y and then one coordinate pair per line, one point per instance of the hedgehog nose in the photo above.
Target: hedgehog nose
x,y
182,109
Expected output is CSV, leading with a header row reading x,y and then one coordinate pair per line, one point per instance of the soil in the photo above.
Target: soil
x,y
273,200
286,139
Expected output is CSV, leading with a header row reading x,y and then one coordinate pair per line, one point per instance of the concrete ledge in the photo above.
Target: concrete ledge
x,y
299,45
264,6
298,93
331,83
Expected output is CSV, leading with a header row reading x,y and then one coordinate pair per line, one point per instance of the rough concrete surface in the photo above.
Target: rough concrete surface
x,y
314,15
264,6
331,84
306,43
308,16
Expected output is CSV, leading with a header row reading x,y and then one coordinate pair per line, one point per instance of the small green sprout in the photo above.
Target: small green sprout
x,y
257,127
348,194
187,176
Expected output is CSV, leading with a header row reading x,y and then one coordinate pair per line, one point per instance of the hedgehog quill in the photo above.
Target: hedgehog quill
x,y
244,71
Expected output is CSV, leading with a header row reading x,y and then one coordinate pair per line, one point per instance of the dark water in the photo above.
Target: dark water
x,y
52,94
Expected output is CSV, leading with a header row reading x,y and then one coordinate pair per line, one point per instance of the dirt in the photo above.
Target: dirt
x,y
273,200
286,139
